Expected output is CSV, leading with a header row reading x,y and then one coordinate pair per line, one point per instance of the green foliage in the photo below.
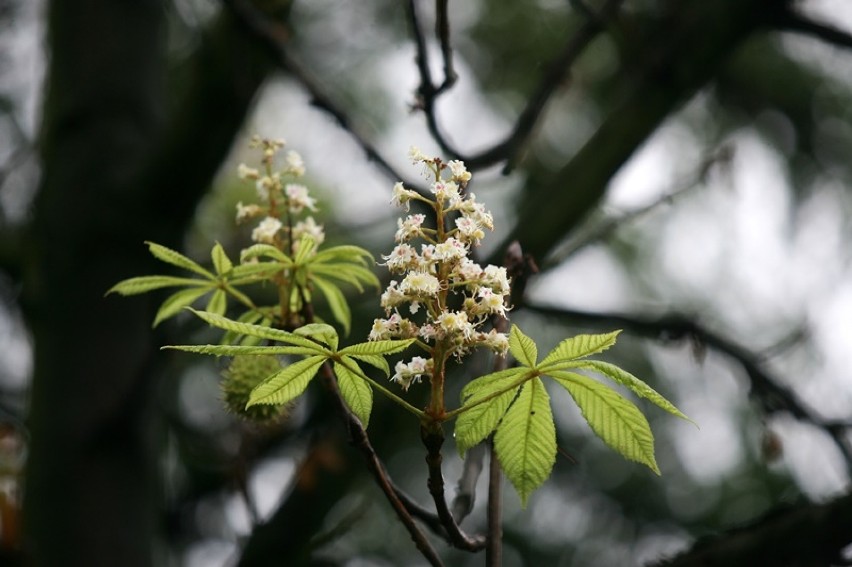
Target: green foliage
x,y
272,367
514,406
260,263
243,374
317,343
525,442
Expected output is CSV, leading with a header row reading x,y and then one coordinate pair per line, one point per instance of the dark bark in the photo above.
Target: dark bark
x,y
118,168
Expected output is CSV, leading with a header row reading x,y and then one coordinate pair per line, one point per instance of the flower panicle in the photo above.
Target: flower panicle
x,y
437,273
278,201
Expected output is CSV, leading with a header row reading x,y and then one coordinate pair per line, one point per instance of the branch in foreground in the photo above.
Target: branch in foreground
x,y
361,441
494,551
433,440
767,390
554,77
805,535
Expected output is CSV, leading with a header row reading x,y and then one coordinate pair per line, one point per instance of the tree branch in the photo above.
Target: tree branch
x,y
721,157
361,441
554,77
433,440
442,30
791,21
271,37
494,550
804,535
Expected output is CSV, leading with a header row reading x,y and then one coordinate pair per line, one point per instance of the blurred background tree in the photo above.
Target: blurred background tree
x,y
678,169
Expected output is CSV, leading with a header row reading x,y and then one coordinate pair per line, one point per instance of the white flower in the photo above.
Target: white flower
x,y
401,258
467,271
420,284
469,230
267,185
490,302
409,228
476,211
295,165
310,227
498,342
416,156
298,199
496,278
246,172
446,191
459,171
428,332
401,196
245,212
267,230
392,296
455,323
450,250
384,329
407,374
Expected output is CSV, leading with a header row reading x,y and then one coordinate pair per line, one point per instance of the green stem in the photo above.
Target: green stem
x,y
515,384
357,370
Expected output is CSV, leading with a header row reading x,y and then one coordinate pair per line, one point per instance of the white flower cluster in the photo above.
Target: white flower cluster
x,y
278,199
457,295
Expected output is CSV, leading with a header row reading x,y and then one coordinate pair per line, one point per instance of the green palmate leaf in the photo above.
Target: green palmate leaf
x,y
491,383
346,253
221,262
218,303
245,273
258,331
177,302
378,347
336,302
306,249
177,259
614,419
265,251
636,385
376,360
234,292
522,347
476,423
356,392
579,346
287,384
321,332
134,286
250,317
350,273
239,350
525,441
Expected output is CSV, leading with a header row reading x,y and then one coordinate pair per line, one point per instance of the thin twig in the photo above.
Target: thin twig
x,y
766,389
465,497
442,30
429,518
721,157
270,36
494,549
359,438
554,77
361,441
789,20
